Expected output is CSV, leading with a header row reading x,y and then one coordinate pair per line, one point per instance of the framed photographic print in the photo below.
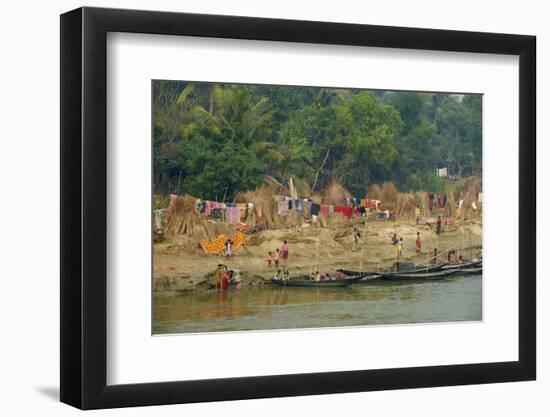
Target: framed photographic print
x,y
258,208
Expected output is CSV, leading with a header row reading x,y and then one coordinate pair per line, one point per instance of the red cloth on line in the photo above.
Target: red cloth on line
x,y
324,210
346,211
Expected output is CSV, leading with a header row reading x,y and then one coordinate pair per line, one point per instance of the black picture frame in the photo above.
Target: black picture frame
x,y
84,207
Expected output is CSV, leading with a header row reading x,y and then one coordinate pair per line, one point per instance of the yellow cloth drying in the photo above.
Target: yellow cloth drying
x,y
216,246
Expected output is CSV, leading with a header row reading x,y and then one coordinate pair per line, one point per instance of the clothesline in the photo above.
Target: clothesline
x,y
307,208
230,213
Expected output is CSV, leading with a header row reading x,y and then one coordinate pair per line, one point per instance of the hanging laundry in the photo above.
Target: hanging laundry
x,y
300,206
282,208
324,210
345,210
217,213
307,208
315,209
330,209
208,208
232,215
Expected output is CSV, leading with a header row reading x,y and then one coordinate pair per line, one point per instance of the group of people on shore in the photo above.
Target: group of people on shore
x,y
398,243
279,256
223,277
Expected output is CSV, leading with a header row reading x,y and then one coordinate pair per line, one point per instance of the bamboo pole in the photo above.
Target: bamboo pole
x,y
317,249
364,242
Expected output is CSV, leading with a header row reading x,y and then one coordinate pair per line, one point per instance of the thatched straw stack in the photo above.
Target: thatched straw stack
x,y
302,187
470,192
183,218
293,218
450,206
404,206
389,194
334,193
265,207
422,201
183,215
375,192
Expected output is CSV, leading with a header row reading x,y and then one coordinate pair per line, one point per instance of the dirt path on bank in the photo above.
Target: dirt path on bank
x,y
180,264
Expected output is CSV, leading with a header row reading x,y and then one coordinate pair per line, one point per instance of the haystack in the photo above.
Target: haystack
x,y
183,215
334,193
265,207
450,206
422,201
389,194
469,193
374,192
183,218
405,205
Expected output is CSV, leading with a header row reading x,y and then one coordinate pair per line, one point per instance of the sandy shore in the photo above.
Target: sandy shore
x,y
180,264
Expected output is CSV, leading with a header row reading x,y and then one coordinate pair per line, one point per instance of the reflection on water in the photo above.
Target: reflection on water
x,y
272,307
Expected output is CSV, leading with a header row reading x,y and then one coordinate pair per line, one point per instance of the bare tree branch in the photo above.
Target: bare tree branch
x,y
319,170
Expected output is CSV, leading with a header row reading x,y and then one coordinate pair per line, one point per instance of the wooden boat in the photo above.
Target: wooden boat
x,y
305,281
404,268
417,276
465,265
369,279
470,271
350,272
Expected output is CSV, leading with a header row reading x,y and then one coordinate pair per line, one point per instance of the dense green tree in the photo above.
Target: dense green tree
x,y
212,140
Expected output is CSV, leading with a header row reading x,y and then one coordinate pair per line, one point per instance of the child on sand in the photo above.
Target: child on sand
x,y
418,243
276,257
399,245
228,246
269,259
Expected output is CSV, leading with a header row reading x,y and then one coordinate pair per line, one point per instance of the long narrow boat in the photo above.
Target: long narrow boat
x,y
369,279
308,282
412,276
415,269
470,271
350,272
465,265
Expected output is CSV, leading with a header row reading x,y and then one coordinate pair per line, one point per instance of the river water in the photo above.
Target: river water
x,y
458,298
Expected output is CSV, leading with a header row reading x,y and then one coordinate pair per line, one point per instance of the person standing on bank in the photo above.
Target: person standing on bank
x,y
356,236
418,243
438,229
417,214
284,253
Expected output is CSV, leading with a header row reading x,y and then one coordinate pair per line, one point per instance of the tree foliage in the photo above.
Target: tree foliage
x,y
213,140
